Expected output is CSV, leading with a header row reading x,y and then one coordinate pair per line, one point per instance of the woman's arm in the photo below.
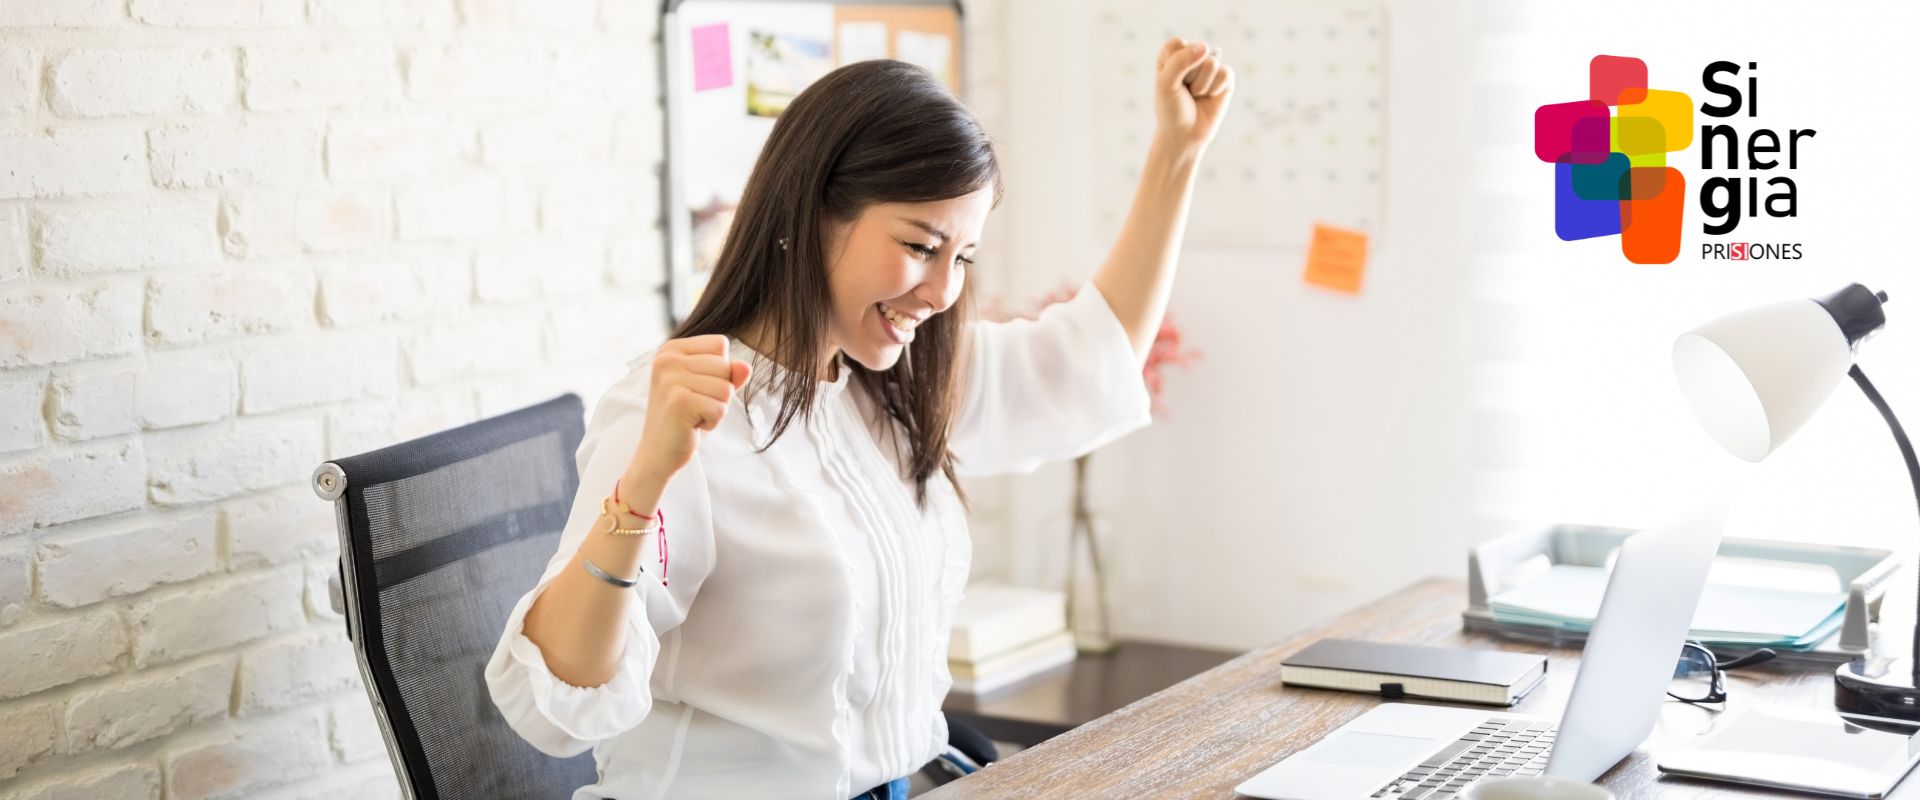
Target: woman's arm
x,y
1191,90
574,665
1047,389
540,675
580,621
1060,386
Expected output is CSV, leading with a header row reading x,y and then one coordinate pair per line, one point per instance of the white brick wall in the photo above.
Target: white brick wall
x,y
343,218
183,389
480,72
383,146
244,455
126,559
85,161
72,483
218,13
114,82
295,671
248,757
13,239
126,779
240,237
318,76
18,83
163,231
193,306
277,527
152,704
257,152
168,626
16,581
93,404
31,736
68,321
65,649
48,13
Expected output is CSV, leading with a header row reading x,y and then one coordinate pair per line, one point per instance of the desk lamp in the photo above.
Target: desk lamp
x,y
1753,378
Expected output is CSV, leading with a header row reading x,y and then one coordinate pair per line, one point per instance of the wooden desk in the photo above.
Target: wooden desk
x,y
1091,686
1207,734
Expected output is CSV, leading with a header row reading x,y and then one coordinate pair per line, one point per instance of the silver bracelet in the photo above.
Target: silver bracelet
x,y
595,570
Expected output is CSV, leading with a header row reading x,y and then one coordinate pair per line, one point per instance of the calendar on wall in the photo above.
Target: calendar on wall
x,y
1304,140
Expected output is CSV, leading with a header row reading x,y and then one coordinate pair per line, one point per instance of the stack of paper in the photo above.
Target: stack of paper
x,y
1002,634
1568,597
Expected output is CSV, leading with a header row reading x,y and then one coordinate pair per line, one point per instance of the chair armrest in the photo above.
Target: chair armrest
x,y
336,596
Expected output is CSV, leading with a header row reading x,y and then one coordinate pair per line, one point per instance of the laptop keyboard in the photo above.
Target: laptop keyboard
x,y
1495,749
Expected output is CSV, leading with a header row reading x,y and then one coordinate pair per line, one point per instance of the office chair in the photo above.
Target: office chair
x,y
439,538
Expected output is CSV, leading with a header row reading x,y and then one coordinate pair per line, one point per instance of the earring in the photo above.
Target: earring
x,y
783,242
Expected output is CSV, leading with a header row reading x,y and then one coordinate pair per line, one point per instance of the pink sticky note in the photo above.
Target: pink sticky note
x,y
712,58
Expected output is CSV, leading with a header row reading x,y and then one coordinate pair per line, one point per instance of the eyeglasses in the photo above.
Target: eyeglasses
x,y
1697,677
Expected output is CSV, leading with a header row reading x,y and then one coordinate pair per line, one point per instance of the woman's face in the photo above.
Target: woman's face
x,y
895,266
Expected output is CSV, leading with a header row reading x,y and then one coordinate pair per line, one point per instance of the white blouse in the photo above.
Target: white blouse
x,y
797,646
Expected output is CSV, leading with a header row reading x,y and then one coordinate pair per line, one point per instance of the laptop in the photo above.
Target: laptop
x,y
1401,751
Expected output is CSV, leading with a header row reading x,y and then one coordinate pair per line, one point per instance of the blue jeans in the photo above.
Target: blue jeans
x,y
895,789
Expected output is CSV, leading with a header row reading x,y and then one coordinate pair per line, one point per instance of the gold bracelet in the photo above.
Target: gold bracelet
x,y
613,514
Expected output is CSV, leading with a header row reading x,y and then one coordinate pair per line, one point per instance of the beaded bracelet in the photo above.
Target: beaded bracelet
x,y
613,506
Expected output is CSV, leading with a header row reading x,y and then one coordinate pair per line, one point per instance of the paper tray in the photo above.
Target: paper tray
x,y
1497,565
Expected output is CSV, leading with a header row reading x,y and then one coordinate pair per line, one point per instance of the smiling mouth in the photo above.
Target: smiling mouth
x,y
899,322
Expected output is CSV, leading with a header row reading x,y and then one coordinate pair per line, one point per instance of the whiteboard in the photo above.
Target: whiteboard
x,y
1304,140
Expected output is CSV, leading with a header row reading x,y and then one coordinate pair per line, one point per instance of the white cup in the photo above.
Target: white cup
x,y
1535,789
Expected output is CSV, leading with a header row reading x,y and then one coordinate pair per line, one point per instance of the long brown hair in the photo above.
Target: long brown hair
x,y
876,131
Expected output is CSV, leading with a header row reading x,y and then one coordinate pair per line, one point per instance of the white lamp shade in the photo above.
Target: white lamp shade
x,y
1755,376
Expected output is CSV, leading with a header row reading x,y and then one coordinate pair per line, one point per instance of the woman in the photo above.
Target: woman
x,y
753,592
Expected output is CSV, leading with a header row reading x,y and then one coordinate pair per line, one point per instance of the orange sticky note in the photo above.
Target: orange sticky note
x,y
1336,258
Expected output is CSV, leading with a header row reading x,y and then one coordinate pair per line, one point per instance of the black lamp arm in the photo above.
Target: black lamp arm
x,y
1913,471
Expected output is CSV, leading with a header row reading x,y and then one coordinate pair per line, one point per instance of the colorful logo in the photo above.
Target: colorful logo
x,y
1609,157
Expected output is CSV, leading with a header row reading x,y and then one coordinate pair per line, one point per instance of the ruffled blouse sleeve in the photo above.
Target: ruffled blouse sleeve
x,y
1048,389
564,720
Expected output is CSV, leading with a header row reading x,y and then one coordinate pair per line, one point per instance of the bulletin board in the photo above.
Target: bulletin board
x,y
1305,138
731,66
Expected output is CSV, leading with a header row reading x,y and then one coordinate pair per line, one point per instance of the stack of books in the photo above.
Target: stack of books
x,y
1003,633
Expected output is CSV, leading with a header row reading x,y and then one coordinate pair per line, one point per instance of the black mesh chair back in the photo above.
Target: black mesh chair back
x,y
439,537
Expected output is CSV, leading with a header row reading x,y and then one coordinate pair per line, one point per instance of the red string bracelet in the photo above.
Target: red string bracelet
x,y
659,515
